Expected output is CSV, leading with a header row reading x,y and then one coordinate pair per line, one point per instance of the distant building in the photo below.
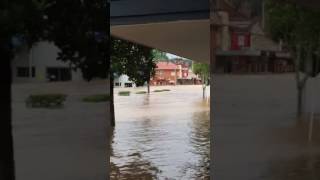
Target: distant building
x,y
123,81
169,73
40,65
166,73
244,46
191,79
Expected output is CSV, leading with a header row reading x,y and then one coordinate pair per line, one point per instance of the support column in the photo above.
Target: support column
x,y
213,45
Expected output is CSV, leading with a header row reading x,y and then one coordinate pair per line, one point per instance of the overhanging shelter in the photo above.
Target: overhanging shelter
x,y
180,27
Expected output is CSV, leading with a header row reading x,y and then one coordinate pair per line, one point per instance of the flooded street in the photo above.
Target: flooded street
x,y
257,135
164,135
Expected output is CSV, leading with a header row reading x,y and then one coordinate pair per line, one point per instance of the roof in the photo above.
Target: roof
x,y
166,66
239,53
234,14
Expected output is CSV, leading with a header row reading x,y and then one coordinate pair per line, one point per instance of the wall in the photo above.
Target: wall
x,y
165,76
123,79
42,55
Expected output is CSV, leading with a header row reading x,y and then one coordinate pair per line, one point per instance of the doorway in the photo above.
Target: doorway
x,y
58,74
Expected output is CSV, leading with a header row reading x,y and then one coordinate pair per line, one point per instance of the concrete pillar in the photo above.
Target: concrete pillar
x,y
213,44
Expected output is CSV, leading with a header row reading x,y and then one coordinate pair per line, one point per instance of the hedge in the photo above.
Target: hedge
x,y
46,100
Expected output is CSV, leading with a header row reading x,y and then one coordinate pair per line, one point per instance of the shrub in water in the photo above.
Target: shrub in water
x,y
124,93
161,90
46,100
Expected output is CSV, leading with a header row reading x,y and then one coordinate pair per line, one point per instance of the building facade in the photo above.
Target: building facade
x,y
123,81
169,73
243,46
40,64
166,73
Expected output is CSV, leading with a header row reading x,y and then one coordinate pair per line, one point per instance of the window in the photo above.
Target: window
x,y
173,73
241,40
24,72
128,84
58,74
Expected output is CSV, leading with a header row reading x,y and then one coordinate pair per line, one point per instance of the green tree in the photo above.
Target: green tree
x,y
136,61
159,55
79,30
299,29
203,70
78,27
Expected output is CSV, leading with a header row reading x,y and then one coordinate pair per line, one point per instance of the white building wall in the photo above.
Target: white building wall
x,y
123,79
41,56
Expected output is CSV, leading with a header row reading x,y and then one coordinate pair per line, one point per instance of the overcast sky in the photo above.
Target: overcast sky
x,y
172,56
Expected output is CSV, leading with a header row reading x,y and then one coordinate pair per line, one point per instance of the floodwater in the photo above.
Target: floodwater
x,y
164,135
257,134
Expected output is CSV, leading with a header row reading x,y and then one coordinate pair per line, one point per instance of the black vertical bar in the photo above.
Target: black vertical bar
x,y
112,113
6,139
214,7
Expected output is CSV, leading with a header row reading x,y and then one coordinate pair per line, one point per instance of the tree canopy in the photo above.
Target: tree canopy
x,y
203,70
299,29
80,30
21,23
134,60
159,55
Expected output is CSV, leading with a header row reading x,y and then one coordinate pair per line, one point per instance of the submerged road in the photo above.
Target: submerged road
x,y
164,135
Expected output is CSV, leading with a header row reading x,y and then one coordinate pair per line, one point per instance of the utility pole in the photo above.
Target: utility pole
x,y
30,62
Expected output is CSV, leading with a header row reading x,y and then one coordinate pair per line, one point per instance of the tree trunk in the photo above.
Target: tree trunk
x,y
301,96
300,102
204,87
148,84
112,115
300,83
6,138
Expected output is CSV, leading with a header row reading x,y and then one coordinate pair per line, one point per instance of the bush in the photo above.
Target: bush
x,y
46,100
141,92
124,93
97,98
161,90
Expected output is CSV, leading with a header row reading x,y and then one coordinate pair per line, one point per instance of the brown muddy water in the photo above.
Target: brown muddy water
x,y
164,135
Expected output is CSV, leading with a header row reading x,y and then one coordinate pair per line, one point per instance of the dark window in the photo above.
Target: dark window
x,y
24,72
128,84
59,74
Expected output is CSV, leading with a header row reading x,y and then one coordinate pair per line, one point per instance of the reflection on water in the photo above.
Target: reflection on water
x,y
302,167
162,136
303,163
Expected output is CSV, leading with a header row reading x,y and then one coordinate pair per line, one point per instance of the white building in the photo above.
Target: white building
x,y
40,65
123,81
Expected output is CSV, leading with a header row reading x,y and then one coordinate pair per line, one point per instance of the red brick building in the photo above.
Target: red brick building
x,y
166,73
